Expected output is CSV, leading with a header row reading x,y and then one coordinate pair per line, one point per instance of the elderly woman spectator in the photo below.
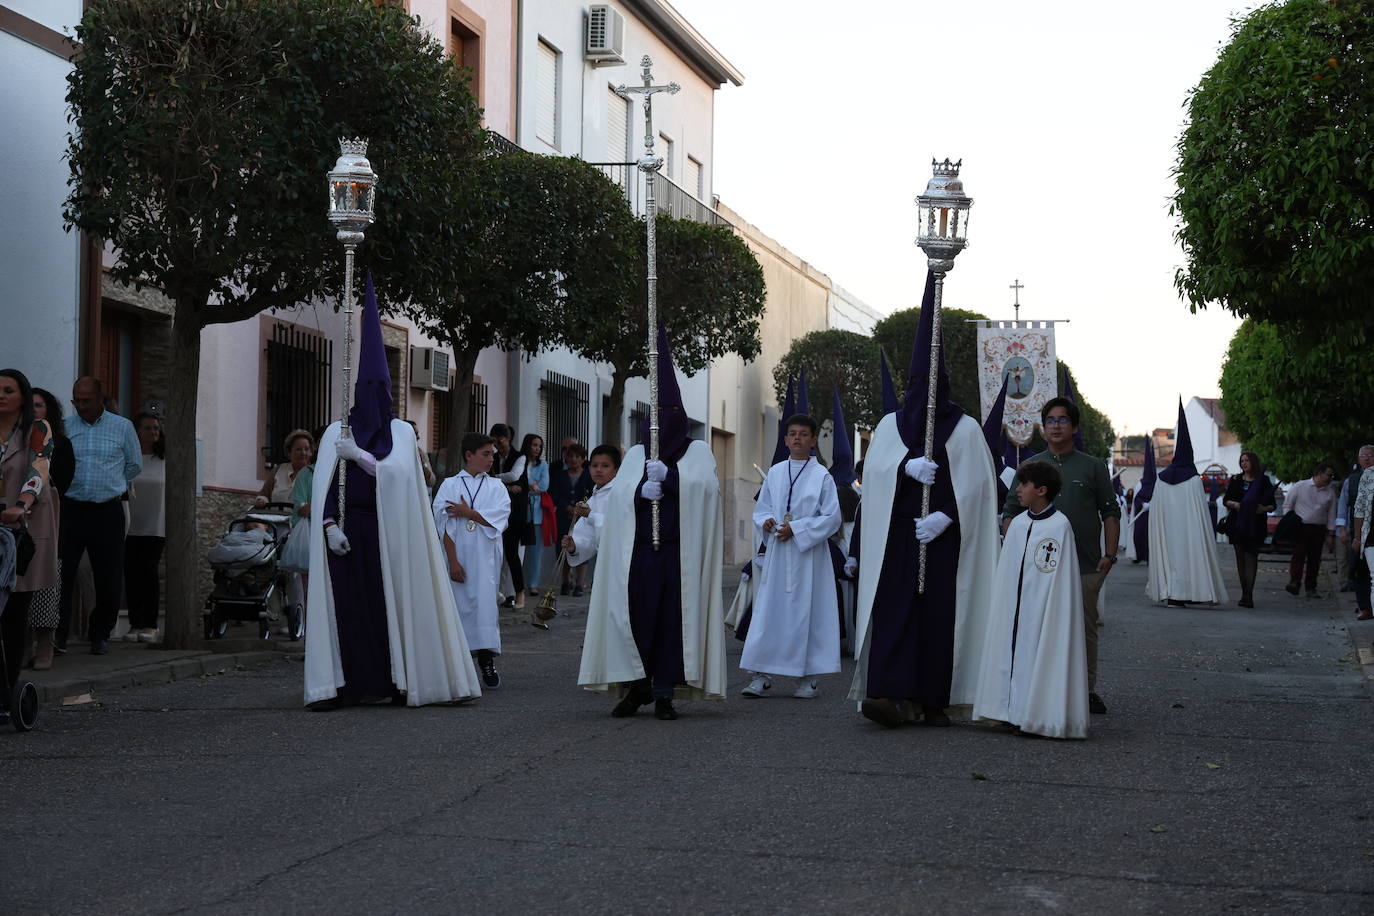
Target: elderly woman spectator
x,y
146,536
25,452
44,606
300,451
1250,498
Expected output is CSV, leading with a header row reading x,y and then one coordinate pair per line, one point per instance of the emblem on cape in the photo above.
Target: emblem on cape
x,y
472,526
1046,555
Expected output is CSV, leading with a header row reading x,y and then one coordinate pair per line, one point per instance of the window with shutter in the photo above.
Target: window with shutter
x,y
665,149
617,127
546,95
692,181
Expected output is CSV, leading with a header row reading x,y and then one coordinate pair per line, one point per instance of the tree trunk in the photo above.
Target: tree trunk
x,y
183,599
460,398
615,408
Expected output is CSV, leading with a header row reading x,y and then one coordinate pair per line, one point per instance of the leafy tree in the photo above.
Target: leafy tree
x,y
202,131
1295,406
543,237
710,298
897,332
1275,184
835,359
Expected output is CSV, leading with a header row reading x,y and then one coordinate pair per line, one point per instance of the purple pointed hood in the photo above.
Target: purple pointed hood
x,y
1182,467
369,420
890,402
789,407
993,432
911,419
842,453
673,429
1146,491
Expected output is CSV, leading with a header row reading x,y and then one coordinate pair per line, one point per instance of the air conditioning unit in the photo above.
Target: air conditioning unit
x,y
429,368
605,35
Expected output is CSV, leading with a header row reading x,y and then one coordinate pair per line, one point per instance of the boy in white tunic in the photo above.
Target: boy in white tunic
x,y
582,541
795,631
1034,673
471,510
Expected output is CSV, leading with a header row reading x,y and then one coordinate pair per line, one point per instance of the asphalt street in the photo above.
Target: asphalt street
x,y
1231,774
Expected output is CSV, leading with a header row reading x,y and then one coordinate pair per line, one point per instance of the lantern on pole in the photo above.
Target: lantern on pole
x,y
942,214
352,202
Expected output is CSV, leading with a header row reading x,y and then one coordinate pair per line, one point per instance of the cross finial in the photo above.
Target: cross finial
x,y
1016,287
648,162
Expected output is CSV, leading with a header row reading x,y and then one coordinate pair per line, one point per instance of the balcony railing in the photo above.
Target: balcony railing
x,y
669,197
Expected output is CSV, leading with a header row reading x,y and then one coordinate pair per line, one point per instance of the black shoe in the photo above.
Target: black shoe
x,y
638,696
333,703
663,709
490,676
100,647
509,602
1095,705
883,711
1173,603
934,717
577,592
1245,602
1347,586
1291,588
566,589
1313,593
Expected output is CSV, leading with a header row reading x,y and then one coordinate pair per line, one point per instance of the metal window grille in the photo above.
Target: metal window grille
x,y
443,401
670,198
299,395
638,417
563,407
395,364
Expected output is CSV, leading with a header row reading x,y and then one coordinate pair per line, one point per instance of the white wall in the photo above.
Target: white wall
x,y
39,262
1204,432
847,312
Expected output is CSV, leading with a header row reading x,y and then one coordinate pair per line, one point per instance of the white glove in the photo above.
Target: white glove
x,y
1008,476
337,543
744,577
932,526
759,559
348,449
652,490
921,470
851,566
656,471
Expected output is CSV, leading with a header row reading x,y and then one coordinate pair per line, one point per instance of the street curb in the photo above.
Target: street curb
x,y
156,673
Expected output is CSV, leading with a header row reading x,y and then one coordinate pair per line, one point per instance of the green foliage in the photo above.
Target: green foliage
x,y
897,332
710,298
202,132
1296,405
835,359
1275,178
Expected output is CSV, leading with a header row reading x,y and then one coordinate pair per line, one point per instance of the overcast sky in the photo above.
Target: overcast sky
x,y
1066,115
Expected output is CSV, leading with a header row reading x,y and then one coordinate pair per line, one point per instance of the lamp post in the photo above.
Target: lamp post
x,y
352,198
942,213
649,164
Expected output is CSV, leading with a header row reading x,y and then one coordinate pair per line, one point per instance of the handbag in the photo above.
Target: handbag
x,y
295,556
24,549
1223,525
1288,527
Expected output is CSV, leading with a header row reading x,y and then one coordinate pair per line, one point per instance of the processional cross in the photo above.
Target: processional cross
x,y
1016,287
649,164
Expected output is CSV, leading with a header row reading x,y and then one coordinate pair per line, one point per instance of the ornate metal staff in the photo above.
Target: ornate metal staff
x,y
649,164
943,233
352,198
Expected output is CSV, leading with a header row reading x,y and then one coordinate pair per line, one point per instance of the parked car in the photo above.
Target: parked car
x,y
1273,544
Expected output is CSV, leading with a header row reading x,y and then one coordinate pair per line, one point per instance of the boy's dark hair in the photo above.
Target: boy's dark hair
x,y
1323,466
1041,474
577,448
473,442
610,451
801,419
859,469
1069,407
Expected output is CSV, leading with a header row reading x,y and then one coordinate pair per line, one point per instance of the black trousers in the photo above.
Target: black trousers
x,y
1307,552
141,556
14,630
510,542
96,529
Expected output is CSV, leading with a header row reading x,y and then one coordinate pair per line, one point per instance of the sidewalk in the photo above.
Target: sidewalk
x,y
129,664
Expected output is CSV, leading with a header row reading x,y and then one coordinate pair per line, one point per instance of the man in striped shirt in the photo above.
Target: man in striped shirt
x,y
108,458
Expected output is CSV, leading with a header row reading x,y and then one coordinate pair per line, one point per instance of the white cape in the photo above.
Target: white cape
x,y
1038,678
1183,550
430,661
795,629
479,551
975,493
610,659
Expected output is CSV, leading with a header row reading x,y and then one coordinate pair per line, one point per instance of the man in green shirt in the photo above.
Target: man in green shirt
x,y
1089,503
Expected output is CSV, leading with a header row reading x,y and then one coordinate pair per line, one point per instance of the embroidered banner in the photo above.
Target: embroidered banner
x,y
1023,353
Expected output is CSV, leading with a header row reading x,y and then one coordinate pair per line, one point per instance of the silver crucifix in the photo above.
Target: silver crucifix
x,y
649,164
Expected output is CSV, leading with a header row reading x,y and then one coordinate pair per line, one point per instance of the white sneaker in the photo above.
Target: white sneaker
x,y
148,636
131,636
759,687
806,690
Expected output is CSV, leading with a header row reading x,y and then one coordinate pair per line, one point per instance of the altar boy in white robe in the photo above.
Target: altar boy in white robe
x,y
584,538
795,629
1034,673
471,511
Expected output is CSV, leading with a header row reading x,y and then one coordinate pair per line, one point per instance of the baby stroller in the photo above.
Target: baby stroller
x,y
21,703
250,584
